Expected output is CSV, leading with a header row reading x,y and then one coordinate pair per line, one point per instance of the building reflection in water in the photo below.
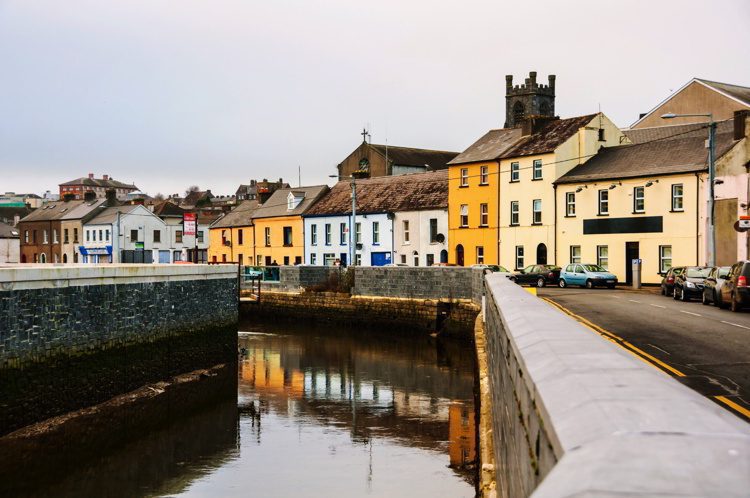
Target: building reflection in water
x,y
409,391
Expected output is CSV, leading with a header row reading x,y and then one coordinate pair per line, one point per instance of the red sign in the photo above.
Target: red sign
x,y
188,224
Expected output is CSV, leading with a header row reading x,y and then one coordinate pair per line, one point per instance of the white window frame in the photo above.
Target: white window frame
x,y
570,204
678,197
313,235
464,177
536,212
484,215
537,169
484,175
639,195
342,234
602,256
313,257
405,225
357,233
327,234
375,233
603,202
519,257
575,254
480,255
267,236
515,217
464,216
515,172
663,258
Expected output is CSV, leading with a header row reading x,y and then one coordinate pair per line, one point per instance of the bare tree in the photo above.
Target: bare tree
x,y
192,188
159,197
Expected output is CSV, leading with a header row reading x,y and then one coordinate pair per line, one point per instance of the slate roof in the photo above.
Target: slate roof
x,y
407,156
490,147
738,92
109,215
678,155
549,137
167,208
240,216
8,232
99,182
276,204
385,194
197,195
62,210
640,135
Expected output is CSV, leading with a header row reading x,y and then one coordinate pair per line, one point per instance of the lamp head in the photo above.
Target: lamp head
x,y
669,115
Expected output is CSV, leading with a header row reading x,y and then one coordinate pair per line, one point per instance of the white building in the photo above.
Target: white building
x,y
396,217
10,244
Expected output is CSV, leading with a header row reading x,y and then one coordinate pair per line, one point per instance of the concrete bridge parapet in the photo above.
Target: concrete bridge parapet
x,y
574,415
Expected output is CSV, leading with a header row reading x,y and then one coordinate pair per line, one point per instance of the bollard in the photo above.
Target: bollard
x,y
636,267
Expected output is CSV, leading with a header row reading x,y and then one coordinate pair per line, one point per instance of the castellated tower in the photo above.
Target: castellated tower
x,y
528,100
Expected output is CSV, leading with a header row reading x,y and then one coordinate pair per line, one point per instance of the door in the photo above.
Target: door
x,y
632,251
443,256
541,254
460,255
380,258
164,257
342,257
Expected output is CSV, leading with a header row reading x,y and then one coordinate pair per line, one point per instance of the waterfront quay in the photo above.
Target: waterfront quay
x,y
391,381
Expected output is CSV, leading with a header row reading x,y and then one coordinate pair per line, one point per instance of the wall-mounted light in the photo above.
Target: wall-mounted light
x,y
718,181
651,182
581,188
614,185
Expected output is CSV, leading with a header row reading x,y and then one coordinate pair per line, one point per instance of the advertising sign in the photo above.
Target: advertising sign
x,y
188,224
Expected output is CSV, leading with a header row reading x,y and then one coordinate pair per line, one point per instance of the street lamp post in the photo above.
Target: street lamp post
x,y
352,221
711,231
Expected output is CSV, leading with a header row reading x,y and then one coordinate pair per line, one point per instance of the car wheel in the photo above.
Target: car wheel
x,y
589,284
734,305
718,302
675,296
684,296
704,300
562,284
541,282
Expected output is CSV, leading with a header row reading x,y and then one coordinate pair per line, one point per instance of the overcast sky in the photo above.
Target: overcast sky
x,y
214,92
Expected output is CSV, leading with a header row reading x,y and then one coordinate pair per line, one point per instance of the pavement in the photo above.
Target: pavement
x,y
703,347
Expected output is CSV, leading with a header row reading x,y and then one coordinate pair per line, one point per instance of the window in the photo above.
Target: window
x,y
513,213
639,200
375,232
44,237
178,236
433,230
464,177
358,233
484,175
603,202
313,257
416,258
107,232
75,236
240,237
328,259
100,236
406,231
93,235
430,259
515,172
313,235
267,236
224,237
537,169
601,135
403,259
288,242
480,255
54,236
665,258
327,234
575,254
26,236
133,236
342,234
536,206
464,213
65,236
570,204
602,256
519,257
677,201
358,259
33,238
484,215
200,236
157,235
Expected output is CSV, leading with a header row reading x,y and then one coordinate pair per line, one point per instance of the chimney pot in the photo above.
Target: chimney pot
x,y
106,177
91,176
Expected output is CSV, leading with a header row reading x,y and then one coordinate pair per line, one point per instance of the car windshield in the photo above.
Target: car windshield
x,y
724,271
593,268
698,272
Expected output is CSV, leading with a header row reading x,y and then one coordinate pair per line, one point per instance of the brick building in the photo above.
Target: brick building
x,y
99,186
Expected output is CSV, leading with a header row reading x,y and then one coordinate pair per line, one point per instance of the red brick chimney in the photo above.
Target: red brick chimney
x,y
105,177
91,176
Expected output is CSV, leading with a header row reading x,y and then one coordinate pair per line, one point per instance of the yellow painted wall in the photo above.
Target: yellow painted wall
x,y
235,252
679,228
276,250
473,195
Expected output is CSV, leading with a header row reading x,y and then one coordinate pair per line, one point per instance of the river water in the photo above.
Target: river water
x,y
325,412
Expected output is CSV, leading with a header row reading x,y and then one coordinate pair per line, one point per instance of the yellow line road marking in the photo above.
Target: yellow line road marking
x,y
731,404
531,290
655,362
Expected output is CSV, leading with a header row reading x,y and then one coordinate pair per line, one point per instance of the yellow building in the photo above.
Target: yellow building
x,y
548,149
473,198
279,230
231,239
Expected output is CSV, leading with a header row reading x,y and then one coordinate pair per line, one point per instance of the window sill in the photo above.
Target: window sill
x,y
676,210
463,226
536,224
483,226
514,181
570,216
485,184
514,225
463,186
638,212
537,179
602,214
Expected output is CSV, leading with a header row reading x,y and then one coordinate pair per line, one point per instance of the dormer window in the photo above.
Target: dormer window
x,y
294,199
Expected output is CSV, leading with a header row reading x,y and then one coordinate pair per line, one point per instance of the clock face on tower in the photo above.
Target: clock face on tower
x,y
364,164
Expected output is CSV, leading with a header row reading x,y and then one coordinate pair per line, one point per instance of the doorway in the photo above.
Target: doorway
x,y
460,255
632,251
541,254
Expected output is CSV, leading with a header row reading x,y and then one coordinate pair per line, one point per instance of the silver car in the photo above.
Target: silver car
x,y
713,284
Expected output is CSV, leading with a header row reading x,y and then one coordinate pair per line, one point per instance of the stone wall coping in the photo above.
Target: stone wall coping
x,y
618,426
49,276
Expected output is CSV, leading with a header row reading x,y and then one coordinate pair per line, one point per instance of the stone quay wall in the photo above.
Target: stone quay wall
x,y
575,415
431,282
76,335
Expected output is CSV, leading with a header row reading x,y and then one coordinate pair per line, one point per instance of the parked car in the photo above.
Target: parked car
x,y
667,282
713,285
689,283
539,275
491,268
735,291
588,276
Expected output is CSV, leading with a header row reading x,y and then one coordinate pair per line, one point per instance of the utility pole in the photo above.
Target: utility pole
x,y
353,226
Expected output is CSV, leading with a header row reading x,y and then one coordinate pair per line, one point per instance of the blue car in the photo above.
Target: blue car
x,y
588,276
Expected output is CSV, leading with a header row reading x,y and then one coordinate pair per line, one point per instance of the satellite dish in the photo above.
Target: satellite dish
x,y
440,238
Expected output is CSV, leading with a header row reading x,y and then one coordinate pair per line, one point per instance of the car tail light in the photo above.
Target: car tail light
x,y
551,274
670,280
742,281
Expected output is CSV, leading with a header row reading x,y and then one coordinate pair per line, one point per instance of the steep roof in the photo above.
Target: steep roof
x,y
8,232
61,209
168,209
384,194
490,147
99,182
549,137
240,216
109,215
276,205
408,156
640,135
741,93
661,157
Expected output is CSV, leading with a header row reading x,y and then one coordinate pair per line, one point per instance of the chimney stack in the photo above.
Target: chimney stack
x,y
105,177
91,176
739,124
16,219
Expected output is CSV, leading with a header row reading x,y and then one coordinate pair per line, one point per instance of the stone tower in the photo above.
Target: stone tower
x,y
528,100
